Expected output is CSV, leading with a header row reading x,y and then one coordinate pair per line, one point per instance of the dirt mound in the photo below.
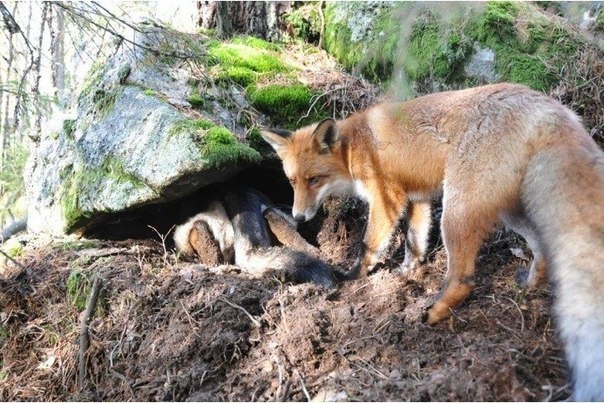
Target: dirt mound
x,y
166,329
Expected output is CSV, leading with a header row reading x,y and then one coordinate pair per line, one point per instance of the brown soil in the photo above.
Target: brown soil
x,y
173,330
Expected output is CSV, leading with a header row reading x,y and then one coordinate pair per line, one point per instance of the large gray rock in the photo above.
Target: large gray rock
x,y
132,143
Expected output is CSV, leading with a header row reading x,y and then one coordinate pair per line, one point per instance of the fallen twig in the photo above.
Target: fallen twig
x,y
97,285
302,385
19,265
234,305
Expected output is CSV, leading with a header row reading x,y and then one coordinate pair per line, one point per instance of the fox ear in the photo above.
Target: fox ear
x,y
326,135
277,138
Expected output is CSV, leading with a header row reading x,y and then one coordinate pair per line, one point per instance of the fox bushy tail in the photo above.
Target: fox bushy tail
x,y
563,193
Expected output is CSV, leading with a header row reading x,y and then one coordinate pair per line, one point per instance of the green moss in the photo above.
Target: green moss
x,y
382,51
124,72
304,22
337,39
255,43
68,127
94,77
285,105
243,60
497,23
220,135
196,101
70,201
13,247
86,181
78,287
218,145
104,101
190,126
114,168
436,49
240,75
530,46
150,92
433,47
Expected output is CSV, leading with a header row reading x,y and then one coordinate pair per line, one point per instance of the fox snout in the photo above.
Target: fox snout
x,y
304,215
300,218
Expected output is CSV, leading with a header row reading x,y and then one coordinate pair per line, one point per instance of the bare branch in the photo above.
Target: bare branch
x,y
126,23
12,26
9,22
97,285
82,14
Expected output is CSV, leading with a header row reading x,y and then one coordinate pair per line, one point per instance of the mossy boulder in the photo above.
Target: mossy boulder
x,y
423,47
133,142
531,45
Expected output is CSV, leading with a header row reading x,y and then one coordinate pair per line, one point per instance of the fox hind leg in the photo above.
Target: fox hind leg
x,y
537,271
464,226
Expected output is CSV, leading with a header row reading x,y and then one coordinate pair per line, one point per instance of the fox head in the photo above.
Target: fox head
x,y
314,163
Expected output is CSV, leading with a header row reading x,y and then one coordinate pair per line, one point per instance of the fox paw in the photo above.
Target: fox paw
x,y
436,314
410,265
414,271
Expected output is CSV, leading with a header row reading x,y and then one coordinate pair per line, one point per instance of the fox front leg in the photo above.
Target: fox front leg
x,y
416,239
383,217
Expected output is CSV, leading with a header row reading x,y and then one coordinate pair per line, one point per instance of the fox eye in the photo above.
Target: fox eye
x,y
292,182
313,180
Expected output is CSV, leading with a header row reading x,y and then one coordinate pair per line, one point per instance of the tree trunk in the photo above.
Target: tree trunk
x,y
37,127
57,43
6,107
261,19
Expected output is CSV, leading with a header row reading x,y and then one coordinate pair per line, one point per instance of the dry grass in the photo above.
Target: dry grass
x,y
168,330
582,89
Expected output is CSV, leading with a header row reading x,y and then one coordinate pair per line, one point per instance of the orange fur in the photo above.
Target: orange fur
x,y
498,153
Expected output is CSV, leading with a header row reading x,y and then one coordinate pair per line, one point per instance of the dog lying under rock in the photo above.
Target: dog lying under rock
x,y
239,227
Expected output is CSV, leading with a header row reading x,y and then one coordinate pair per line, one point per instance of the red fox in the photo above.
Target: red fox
x,y
497,153
233,229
